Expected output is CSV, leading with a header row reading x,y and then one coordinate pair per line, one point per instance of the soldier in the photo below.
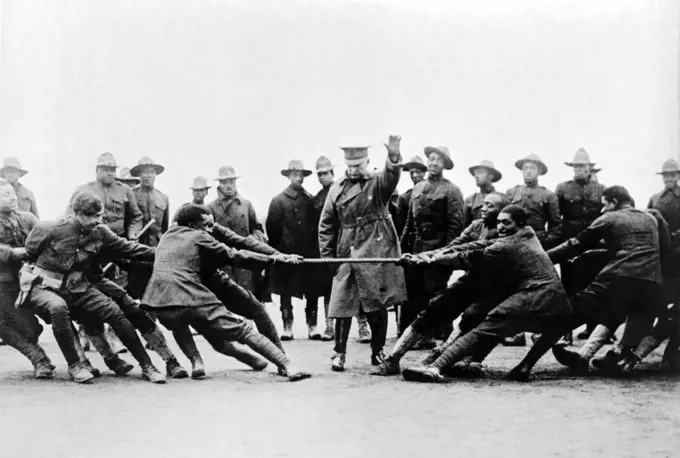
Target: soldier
x,y
532,297
291,229
416,168
324,277
231,210
11,171
355,223
543,213
667,202
485,175
121,214
580,202
153,204
199,190
127,179
63,252
435,217
18,326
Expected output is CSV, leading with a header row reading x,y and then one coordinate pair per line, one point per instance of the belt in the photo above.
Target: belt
x,y
363,220
51,279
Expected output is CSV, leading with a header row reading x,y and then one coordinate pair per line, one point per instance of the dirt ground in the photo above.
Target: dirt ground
x,y
239,413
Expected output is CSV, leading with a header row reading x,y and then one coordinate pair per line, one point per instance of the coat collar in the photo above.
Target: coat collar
x,y
225,200
675,191
354,190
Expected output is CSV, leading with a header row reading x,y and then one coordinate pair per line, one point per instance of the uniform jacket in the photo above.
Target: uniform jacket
x,y
543,212
292,229
631,235
355,223
153,204
323,275
14,228
473,204
26,199
435,217
668,203
580,204
121,213
520,265
238,214
184,258
402,211
62,247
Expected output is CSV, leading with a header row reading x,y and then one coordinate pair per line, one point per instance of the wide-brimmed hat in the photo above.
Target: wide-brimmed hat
x,y
543,169
124,176
443,151
581,157
323,164
143,163
354,155
12,163
296,166
670,166
227,172
106,160
416,162
200,182
488,165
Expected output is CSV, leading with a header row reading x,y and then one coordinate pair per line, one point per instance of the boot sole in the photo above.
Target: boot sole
x,y
314,337
286,338
123,371
43,376
298,376
85,380
327,338
157,382
198,375
338,368
419,377
179,374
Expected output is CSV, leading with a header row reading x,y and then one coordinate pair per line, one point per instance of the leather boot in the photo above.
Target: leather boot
x,y
572,359
157,342
151,374
338,362
423,374
312,317
114,362
609,363
78,373
518,340
266,348
287,317
197,368
364,330
42,366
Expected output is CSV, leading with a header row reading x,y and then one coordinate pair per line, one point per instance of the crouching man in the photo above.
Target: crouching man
x,y
186,256
63,251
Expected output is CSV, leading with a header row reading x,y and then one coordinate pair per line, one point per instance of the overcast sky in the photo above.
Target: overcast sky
x,y
197,85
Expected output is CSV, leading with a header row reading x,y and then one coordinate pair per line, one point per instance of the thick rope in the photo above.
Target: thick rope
x,y
350,260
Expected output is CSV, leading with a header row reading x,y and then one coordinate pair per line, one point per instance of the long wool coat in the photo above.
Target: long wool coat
x,y
238,214
355,223
291,228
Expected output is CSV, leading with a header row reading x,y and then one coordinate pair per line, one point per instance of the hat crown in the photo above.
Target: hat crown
x,y
487,163
12,162
417,160
227,171
124,174
353,153
200,182
322,163
106,160
581,157
295,164
671,165
441,149
533,157
146,160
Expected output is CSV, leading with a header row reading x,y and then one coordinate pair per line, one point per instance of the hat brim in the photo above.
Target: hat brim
x,y
495,174
448,163
667,171
199,189
542,168
22,172
572,164
415,165
355,162
287,172
137,169
227,177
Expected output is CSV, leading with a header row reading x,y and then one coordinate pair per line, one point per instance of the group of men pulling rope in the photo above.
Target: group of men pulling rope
x,y
116,259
